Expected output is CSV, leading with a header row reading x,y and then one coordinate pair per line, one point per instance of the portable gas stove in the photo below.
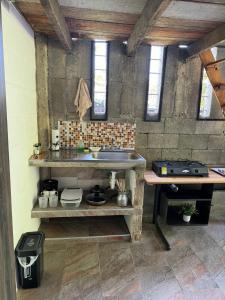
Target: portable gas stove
x,y
179,168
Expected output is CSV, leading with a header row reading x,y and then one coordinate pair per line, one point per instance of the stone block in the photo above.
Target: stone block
x,y
216,142
141,140
197,141
128,72
140,100
169,88
209,127
149,155
163,141
187,88
207,156
176,154
127,100
116,60
142,64
114,99
150,127
78,62
180,125
56,60
57,102
222,157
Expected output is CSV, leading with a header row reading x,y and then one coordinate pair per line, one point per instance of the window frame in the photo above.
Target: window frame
x,y
93,115
200,94
146,117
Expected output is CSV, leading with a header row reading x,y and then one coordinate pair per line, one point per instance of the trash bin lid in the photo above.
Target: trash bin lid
x,y
30,244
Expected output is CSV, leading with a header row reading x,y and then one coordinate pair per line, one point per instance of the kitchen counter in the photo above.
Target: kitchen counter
x,y
151,179
98,160
72,158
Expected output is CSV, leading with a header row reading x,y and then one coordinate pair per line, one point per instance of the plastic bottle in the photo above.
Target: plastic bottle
x,y
80,146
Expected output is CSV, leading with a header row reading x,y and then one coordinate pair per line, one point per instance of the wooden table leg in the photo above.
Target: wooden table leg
x,y
156,216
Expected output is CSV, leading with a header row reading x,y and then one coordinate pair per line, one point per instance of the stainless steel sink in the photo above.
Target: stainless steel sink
x,y
119,156
111,156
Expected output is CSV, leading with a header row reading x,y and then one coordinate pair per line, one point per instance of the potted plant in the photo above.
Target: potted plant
x,y
37,148
188,210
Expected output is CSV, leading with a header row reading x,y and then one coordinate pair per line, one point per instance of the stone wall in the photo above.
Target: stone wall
x,y
177,136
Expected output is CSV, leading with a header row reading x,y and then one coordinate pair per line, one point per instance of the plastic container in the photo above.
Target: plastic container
x,y
53,200
29,259
70,203
43,201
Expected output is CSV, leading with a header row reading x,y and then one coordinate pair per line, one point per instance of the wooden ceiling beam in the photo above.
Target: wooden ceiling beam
x,y
52,10
207,41
150,14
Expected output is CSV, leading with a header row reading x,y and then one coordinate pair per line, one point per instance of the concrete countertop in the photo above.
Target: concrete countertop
x,y
72,158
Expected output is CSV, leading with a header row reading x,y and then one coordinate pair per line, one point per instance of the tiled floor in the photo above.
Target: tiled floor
x,y
194,269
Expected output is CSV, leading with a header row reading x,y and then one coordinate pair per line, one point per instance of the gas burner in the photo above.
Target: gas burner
x,y
179,168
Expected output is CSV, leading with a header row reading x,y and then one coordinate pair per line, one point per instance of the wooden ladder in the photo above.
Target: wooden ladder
x,y
215,76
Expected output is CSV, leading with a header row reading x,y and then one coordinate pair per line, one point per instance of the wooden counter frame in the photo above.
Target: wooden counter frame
x,y
133,218
152,179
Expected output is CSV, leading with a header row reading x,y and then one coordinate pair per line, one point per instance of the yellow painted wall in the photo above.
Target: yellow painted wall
x,y
20,68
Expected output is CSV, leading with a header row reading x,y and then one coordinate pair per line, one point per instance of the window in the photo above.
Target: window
x,y
155,84
206,93
99,80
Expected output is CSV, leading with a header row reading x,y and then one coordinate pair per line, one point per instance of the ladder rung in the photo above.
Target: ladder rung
x,y
217,62
219,87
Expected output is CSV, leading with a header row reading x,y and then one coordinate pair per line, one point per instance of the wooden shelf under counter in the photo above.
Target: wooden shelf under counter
x,y
84,210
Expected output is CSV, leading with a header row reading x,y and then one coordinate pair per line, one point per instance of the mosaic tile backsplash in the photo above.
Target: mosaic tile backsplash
x,y
97,134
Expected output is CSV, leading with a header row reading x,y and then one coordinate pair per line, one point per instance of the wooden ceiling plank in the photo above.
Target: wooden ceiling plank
x,y
99,15
76,25
151,12
30,8
88,35
207,41
56,18
187,24
174,33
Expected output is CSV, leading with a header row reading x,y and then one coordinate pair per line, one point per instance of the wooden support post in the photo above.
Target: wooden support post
x,y
42,92
215,77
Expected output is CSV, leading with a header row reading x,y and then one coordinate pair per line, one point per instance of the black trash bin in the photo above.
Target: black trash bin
x,y
29,259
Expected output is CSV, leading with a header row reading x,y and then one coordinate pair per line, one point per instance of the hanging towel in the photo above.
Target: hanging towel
x,y
82,100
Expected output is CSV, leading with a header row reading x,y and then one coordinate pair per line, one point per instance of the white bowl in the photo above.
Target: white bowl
x,y
95,149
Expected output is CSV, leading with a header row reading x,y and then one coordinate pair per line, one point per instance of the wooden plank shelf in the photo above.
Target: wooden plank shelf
x,y
84,210
175,218
59,231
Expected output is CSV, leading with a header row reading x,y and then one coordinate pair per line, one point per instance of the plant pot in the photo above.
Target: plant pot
x,y
186,218
37,150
